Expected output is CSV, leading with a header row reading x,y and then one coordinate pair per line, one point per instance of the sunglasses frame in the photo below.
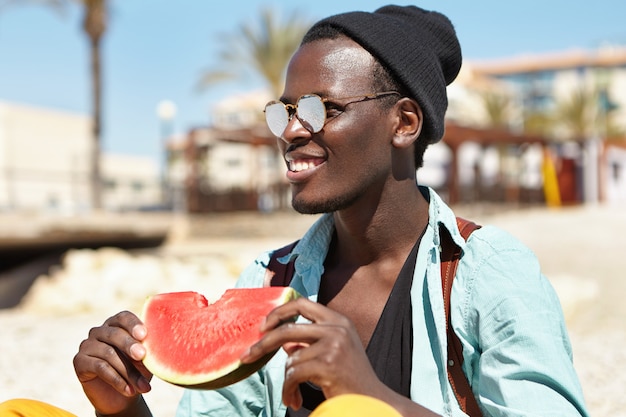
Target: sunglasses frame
x,y
291,110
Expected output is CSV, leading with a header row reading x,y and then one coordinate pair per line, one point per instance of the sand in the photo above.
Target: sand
x,y
581,250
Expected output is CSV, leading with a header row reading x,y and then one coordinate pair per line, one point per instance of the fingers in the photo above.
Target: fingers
x,y
305,365
335,364
291,347
112,355
327,352
279,333
301,334
314,312
123,331
292,396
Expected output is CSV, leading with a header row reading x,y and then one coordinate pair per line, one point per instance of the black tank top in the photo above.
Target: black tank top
x,y
390,348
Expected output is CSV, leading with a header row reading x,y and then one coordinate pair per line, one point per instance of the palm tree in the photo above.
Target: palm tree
x,y
497,107
265,49
587,112
6,3
95,18
578,113
539,123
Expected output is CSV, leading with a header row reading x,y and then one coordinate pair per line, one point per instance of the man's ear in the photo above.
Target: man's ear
x,y
410,123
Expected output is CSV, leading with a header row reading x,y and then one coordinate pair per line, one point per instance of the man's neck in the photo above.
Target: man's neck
x,y
365,234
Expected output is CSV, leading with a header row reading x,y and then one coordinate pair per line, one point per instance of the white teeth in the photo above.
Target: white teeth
x,y
298,166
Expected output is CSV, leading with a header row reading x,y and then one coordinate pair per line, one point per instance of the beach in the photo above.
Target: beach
x,y
580,248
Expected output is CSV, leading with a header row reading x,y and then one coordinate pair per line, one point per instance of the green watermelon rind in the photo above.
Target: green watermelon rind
x,y
227,375
241,372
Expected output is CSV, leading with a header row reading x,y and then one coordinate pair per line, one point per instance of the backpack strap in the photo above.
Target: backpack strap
x,y
450,256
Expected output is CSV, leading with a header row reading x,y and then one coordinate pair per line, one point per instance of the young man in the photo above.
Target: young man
x,y
365,95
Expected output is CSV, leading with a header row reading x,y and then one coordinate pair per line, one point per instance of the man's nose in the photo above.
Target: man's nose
x,y
295,130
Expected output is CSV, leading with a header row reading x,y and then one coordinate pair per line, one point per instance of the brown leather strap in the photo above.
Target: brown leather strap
x,y
450,255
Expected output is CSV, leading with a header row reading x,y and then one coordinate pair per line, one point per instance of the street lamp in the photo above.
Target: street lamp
x,y
166,111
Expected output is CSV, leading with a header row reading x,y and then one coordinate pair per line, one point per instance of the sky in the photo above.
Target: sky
x,y
157,50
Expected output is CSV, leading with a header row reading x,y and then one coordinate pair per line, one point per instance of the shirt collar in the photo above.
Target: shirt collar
x,y
315,243
439,214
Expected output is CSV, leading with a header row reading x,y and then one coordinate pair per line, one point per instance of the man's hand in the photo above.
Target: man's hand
x,y
108,365
327,352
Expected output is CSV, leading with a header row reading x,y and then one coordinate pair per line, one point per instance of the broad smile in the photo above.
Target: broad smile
x,y
301,165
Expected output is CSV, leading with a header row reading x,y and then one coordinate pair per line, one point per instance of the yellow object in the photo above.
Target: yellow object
x,y
31,408
550,181
354,405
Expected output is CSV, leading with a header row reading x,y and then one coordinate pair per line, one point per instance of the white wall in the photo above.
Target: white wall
x,y
45,158
130,182
614,172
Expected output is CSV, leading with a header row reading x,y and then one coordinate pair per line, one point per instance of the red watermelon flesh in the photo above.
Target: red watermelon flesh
x,y
195,344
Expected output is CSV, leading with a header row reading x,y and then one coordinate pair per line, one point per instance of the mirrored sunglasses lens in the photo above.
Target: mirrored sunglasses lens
x,y
312,112
276,117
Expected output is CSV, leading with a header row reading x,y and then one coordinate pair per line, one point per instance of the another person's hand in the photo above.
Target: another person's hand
x,y
108,364
327,352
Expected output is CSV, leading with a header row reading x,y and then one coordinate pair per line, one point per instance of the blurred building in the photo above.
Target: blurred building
x,y
613,172
131,183
232,165
494,148
576,100
547,83
45,165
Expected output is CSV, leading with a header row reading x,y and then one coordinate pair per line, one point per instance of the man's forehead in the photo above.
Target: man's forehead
x,y
347,58
330,62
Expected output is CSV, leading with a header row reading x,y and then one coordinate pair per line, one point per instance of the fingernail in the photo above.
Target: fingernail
x,y
245,355
137,351
143,385
262,327
139,332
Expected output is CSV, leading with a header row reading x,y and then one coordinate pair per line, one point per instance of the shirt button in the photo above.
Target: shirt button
x,y
450,362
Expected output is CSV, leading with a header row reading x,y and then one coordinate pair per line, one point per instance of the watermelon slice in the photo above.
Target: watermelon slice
x,y
195,344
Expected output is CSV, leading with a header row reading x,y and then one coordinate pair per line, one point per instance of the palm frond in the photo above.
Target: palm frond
x,y
57,5
263,48
497,107
578,113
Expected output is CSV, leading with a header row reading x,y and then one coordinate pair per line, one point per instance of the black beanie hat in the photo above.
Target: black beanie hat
x,y
418,47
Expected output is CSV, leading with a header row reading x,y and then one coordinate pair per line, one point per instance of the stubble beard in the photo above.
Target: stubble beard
x,y
325,205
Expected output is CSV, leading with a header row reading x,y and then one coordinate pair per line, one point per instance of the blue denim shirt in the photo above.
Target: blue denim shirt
x,y
517,353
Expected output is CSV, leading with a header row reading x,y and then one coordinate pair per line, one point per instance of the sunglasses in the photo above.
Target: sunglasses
x,y
310,110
